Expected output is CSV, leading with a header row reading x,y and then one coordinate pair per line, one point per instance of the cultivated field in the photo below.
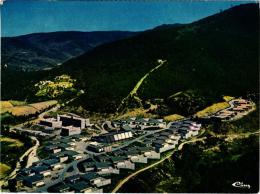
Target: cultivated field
x,y
21,109
212,109
173,117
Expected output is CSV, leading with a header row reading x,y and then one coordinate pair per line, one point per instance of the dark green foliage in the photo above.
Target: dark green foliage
x,y
215,56
186,103
216,172
8,118
10,154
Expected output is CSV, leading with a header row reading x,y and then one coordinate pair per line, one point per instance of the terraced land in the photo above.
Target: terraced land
x,y
25,109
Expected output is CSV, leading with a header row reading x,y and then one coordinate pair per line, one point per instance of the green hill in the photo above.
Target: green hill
x,y
214,56
39,51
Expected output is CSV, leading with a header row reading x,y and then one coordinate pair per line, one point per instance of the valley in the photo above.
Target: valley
x,y
171,109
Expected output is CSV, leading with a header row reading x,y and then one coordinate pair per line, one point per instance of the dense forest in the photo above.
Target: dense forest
x,y
215,56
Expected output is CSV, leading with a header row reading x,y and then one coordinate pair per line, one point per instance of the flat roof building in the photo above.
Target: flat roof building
x,y
70,130
42,170
34,181
114,136
50,122
60,188
82,187
68,120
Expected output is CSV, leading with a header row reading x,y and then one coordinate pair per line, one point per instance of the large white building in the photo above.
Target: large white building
x,y
115,136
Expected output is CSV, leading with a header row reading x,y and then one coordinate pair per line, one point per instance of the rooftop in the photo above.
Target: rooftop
x,y
80,186
102,164
72,178
39,169
71,153
159,142
60,187
89,176
118,159
126,128
34,178
51,161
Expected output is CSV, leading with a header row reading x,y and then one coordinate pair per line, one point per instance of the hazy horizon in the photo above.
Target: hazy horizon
x,y
20,17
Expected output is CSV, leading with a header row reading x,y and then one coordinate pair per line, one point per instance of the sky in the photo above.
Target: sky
x,y
20,17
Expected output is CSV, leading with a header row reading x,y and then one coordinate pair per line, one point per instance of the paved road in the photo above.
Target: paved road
x,y
32,157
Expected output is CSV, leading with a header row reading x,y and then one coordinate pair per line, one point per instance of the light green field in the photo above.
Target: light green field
x,y
212,109
11,142
228,98
4,170
173,117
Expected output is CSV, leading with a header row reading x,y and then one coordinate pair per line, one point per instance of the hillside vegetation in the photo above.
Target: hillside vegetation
x,y
8,144
207,59
214,107
46,50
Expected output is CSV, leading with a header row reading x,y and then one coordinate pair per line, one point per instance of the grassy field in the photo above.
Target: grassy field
x,y
137,112
18,108
4,170
9,151
228,98
212,109
11,142
173,117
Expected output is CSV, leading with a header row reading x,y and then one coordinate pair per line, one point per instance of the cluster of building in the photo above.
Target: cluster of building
x,y
95,158
98,161
113,162
83,183
169,138
59,152
64,125
239,107
140,123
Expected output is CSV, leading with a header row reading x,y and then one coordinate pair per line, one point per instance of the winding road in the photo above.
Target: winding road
x,y
32,157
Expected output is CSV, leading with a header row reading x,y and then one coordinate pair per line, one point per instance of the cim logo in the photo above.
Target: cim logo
x,y
239,184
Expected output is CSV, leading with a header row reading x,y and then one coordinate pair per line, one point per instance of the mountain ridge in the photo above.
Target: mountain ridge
x,y
37,51
206,56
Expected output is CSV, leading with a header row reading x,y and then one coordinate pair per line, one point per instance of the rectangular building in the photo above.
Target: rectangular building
x,y
70,130
115,136
68,120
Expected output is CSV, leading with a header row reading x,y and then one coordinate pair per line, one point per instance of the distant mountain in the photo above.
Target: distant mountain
x,y
167,26
45,50
215,56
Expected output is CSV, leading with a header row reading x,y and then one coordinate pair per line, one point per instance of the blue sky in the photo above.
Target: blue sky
x,y
29,16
